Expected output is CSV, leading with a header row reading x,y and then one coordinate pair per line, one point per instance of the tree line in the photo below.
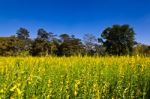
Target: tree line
x,y
116,40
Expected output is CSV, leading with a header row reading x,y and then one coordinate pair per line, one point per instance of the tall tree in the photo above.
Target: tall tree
x,y
43,35
118,39
64,37
23,34
70,45
54,43
40,45
90,42
45,44
24,42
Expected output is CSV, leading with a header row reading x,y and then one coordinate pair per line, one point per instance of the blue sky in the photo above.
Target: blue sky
x,y
75,16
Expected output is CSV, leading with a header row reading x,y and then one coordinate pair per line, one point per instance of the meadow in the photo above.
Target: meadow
x,y
75,77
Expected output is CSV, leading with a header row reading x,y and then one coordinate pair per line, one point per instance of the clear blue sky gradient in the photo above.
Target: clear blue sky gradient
x,y
75,16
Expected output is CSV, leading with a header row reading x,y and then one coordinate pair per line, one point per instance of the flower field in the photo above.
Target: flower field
x,y
75,77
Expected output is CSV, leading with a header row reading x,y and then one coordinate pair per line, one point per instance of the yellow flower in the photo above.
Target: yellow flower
x,y
18,91
48,96
75,93
29,82
77,82
18,84
1,91
113,97
142,68
49,81
12,98
13,88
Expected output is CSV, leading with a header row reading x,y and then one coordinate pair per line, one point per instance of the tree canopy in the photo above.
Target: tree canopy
x,y
115,40
22,33
118,39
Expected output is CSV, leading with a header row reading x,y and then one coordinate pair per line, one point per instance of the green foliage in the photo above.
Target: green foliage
x,y
70,46
43,35
64,37
118,39
39,48
24,43
9,46
23,34
142,50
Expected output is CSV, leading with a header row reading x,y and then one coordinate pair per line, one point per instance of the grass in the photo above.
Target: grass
x,y
74,78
